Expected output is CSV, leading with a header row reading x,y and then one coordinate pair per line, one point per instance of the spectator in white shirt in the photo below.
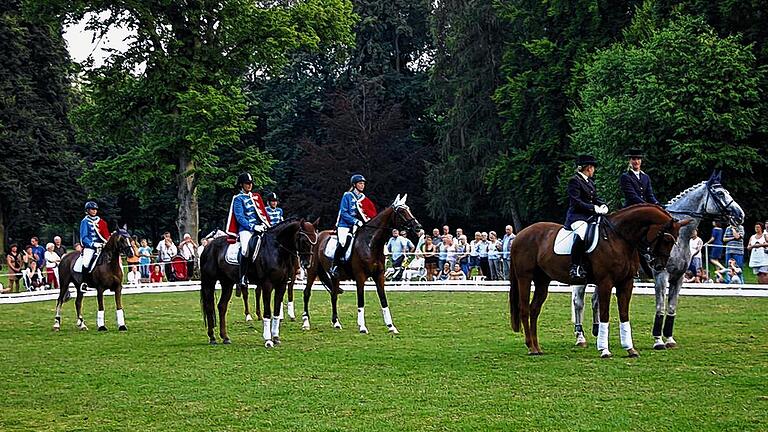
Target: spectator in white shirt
x,y
52,266
695,244
134,276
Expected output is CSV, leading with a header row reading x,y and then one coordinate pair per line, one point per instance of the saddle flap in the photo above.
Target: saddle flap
x,y
330,247
233,250
565,238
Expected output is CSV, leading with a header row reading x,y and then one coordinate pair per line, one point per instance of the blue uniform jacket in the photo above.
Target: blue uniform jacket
x,y
582,199
275,215
89,232
348,213
245,212
636,190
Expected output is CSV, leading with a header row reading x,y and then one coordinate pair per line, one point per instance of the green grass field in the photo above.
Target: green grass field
x,y
455,366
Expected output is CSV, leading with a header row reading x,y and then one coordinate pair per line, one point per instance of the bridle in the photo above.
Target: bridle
x,y
722,207
643,245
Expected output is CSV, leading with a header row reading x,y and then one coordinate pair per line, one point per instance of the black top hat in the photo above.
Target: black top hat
x,y
634,153
584,160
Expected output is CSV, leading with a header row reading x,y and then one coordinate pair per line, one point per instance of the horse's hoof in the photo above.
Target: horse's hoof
x,y
122,328
671,345
292,317
605,354
534,353
632,353
269,344
83,327
581,341
363,330
56,328
103,328
658,346
393,329
248,318
337,325
226,341
276,340
305,325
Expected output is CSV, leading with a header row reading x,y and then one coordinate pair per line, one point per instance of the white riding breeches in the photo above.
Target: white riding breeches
x,y
343,233
245,238
87,255
580,229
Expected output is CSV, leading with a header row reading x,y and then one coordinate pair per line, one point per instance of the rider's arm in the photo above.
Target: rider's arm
x,y
574,193
84,238
347,210
239,210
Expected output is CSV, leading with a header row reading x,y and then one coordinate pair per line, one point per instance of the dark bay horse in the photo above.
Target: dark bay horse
x,y
367,260
614,262
273,267
106,275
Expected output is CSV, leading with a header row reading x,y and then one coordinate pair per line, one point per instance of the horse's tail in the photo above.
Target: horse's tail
x,y
207,290
514,299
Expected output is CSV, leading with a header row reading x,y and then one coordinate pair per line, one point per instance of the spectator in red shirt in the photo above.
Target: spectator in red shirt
x,y
157,275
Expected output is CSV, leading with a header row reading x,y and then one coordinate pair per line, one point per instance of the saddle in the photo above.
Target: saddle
x,y
97,259
233,250
330,247
565,238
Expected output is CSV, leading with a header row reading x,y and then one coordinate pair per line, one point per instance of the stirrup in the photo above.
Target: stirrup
x,y
577,272
334,271
83,287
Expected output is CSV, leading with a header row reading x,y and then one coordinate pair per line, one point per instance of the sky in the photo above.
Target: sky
x,y
80,42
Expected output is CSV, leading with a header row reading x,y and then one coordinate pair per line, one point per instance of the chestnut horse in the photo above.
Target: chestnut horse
x,y
367,260
614,262
271,270
106,275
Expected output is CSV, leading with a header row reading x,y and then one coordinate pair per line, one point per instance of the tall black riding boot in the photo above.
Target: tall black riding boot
x,y
337,256
577,260
242,282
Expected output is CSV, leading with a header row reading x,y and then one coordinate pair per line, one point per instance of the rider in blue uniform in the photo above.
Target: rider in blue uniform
x,y
93,235
247,217
583,204
274,212
635,183
353,212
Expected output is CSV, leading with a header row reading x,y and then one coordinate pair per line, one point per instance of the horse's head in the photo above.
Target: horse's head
x,y
720,204
403,215
123,241
661,239
307,237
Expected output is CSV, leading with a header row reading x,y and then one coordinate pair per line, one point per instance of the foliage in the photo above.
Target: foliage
x,y
455,366
36,140
546,41
689,98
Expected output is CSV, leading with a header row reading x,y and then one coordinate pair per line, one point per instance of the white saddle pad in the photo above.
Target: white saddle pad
x,y
564,241
78,267
233,250
330,248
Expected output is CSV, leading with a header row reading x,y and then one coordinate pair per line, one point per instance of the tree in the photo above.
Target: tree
x,y
546,41
689,98
36,139
170,121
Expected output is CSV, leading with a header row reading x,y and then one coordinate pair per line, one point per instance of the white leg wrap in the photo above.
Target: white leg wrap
x,y
275,327
267,335
625,331
100,318
602,337
361,317
280,312
120,317
291,312
387,316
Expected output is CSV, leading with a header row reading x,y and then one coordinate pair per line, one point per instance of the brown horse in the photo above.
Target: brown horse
x,y
271,270
106,275
367,260
614,262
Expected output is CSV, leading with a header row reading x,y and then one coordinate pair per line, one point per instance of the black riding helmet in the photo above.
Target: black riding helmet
x,y
272,197
244,178
356,178
91,205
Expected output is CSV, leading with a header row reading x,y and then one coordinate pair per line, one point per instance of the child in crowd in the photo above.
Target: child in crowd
x,y
157,274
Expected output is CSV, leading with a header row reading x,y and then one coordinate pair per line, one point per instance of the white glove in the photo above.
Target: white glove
x,y
359,223
259,228
601,209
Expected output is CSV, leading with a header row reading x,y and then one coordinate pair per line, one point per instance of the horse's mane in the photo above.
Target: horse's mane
x,y
643,205
684,193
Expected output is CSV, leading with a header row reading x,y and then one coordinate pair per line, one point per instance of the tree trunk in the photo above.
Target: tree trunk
x,y
2,230
188,219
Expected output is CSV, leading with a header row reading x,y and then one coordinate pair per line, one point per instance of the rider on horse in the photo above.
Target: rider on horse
x,y
583,205
274,212
354,210
635,183
247,216
93,235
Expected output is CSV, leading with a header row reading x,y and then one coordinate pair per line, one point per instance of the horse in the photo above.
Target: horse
x,y
614,262
705,199
271,269
366,260
106,275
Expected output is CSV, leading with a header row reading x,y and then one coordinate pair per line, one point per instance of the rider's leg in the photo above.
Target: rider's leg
x,y
577,251
341,247
245,238
87,255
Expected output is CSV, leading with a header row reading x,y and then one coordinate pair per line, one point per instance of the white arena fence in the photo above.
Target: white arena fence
x,y
642,288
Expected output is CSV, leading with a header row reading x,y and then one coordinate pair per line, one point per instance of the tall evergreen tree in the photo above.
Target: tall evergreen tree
x,y
36,159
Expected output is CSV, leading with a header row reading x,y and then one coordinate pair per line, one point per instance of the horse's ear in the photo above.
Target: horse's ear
x,y
404,198
316,222
395,202
125,227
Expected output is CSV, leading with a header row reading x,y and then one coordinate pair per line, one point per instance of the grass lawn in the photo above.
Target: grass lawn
x,y
455,366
